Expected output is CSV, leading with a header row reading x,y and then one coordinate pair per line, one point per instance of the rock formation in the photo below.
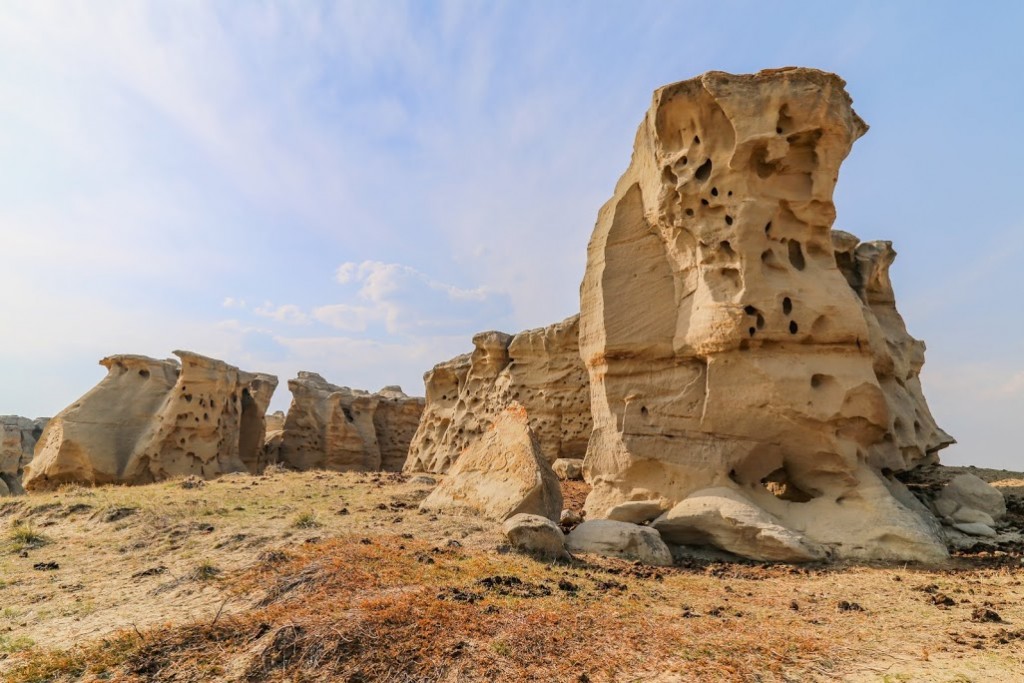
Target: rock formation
x,y
734,341
540,369
18,436
338,428
151,419
500,475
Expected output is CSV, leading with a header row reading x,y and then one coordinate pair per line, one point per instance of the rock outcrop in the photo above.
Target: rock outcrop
x,y
734,340
18,437
540,369
338,428
500,475
151,419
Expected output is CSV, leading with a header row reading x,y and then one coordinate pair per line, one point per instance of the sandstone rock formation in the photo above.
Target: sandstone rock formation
x,y
541,369
151,419
734,340
500,475
568,469
535,535
619,539
18,436
338,428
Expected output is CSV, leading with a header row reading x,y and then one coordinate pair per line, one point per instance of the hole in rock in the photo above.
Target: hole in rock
x,y
752,331
749,310
714,191
793,328
696,140
643,410
726,248
780,485
778,130
704,202
796,255
787,305
704,172
729,194
760,321
768,228
689,212
348,414
728,220
668,176
819,380
144,374
683,161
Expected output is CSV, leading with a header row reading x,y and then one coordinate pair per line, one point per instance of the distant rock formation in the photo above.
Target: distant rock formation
x,y
734,342
541,369
338,428
18,436
151,419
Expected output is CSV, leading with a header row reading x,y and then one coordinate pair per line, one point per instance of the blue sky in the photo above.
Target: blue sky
x,y
357,188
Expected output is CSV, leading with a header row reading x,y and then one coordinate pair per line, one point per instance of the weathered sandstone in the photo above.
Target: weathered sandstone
x,y
619,539
338,428
535,535
734,341
540,369
18,436
151,419
500,475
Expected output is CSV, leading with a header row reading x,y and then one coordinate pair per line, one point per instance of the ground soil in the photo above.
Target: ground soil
x,y
330,576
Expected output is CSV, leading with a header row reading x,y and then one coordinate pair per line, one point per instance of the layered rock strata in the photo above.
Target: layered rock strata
x,y
734,341
151,419
18,437
540,369
338,428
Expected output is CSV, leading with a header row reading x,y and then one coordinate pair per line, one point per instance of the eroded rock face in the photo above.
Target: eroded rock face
x,y
151,419
501,475
540,369
338,428
733,340
18,436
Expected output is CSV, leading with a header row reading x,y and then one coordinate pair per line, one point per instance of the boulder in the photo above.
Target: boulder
x,y
724,518
337,428
152,419
635,511
535,535
570,518
976,529
568,469
619,539
967,490
540,369
18,437
972,516
500,475
733,339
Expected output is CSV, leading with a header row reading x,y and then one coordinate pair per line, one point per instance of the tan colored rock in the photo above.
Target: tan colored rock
x,y
337,428
568,469
724,518
540,369
970,491
151,419
536,535
619,539
500,475
732,340
18,437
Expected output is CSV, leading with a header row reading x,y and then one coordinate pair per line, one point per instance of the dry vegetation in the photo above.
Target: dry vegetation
x,y
323,576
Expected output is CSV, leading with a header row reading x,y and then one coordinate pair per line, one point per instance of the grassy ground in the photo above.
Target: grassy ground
x,y
325,576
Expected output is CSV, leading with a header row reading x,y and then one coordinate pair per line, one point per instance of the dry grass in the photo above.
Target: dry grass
x,y
222,582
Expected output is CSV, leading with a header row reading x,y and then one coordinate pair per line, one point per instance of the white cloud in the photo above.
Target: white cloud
x,y
289,314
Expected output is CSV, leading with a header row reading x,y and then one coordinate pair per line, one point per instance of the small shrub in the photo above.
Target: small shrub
x,y
205,571
24,537
306,520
